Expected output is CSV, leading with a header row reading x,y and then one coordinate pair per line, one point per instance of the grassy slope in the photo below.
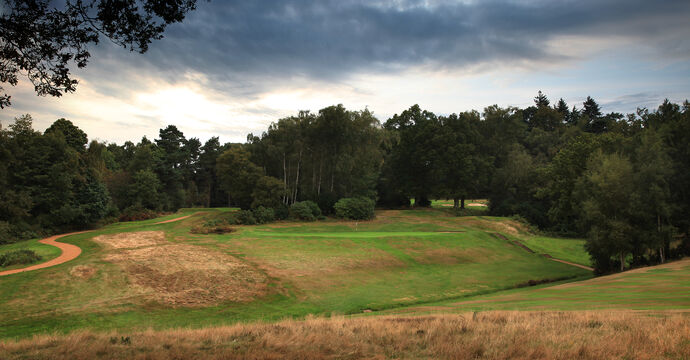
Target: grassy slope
x,y
343,267
560,248
662,287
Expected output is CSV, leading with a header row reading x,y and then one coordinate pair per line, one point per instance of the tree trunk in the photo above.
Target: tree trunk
x,y
456,201
318,191
299,164
313,174
658,229
332,179
462,202
285,199
622,262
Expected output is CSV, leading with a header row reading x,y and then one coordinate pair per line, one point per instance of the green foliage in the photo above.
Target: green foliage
x,y
19,257
136,213
246,217
73,136
282,212
6,236
143,191
267,192
237,175
327,202
608,188
264,215
305,210
355,208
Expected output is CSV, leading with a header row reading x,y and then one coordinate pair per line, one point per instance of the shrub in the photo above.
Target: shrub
x,y
19,257
355,208
264,215
305,210
246,217
282,212
136,213
315,210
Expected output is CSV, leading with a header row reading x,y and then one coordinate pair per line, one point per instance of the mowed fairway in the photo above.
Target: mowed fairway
x,y
143,274
662,287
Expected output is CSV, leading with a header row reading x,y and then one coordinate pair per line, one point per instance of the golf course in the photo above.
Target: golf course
x,y
156,275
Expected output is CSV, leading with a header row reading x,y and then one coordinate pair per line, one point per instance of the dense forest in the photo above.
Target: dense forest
x,y
621,181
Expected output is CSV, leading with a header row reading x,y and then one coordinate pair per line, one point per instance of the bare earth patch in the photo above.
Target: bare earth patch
x,y
181,274
131,240
83,271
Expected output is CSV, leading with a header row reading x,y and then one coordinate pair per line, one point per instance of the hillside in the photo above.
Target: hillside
x,y
150,274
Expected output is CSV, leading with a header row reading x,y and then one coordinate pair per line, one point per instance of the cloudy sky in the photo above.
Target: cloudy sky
x,y
232,67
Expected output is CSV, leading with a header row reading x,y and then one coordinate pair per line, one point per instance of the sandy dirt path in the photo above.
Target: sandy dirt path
x,y
69,252
173,220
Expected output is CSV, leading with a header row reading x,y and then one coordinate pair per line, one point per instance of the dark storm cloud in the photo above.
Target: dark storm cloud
x,y
244,46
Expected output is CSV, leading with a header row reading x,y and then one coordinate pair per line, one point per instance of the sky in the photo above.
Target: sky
x,y
233,67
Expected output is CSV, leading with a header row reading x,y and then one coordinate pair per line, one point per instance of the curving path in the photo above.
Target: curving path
x,y
173,220
69,252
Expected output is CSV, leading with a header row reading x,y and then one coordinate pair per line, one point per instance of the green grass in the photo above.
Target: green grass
x,y
661,287
572,250
47,252
401,258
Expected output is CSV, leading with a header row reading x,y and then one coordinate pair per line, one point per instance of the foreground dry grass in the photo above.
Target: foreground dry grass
x,y
489,335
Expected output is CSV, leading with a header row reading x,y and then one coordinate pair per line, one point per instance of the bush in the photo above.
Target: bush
x,y
282,212
305,210
355,208
314,207
19,257
246,217
264,215
136,213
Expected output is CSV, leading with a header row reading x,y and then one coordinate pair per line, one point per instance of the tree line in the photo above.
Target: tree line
x,y
621,181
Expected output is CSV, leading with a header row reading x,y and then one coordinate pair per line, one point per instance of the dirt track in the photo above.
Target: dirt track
x,y
173,220
69,252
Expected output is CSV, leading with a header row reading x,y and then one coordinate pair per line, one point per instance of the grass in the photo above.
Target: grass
x,y
572,250
46,252
442,286
662,287
486,335
400,259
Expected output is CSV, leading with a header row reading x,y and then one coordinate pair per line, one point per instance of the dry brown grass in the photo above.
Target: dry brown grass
x,y
181,274
491,335
83,272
